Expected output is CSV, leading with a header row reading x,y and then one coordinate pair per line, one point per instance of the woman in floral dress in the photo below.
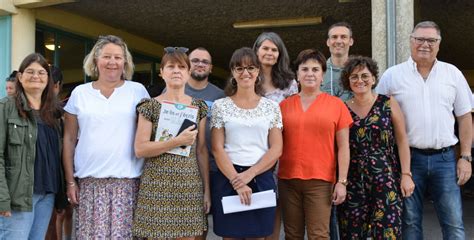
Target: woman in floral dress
x,y
173,196
377,179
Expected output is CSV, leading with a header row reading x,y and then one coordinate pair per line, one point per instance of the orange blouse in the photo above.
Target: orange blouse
x,y
309,137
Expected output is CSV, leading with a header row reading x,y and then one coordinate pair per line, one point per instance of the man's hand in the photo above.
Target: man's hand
x,y
464,171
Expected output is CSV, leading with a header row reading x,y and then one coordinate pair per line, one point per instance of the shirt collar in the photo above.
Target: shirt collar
x,y
412,64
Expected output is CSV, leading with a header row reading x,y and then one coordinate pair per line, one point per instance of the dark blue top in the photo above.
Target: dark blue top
x,y
47,158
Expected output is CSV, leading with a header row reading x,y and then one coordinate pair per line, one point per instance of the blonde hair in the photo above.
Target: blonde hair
x,y
90,61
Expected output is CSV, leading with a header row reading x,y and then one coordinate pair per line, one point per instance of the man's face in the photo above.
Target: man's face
x,y
424,45
201,64
339,41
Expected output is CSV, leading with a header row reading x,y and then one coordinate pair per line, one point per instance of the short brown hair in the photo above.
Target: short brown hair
x,y
175,57
358,62
308,54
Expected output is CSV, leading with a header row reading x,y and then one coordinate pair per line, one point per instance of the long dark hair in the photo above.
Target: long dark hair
x,y
49,110
281,71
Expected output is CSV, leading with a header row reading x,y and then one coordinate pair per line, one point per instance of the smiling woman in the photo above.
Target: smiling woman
x,y
29,123
99,174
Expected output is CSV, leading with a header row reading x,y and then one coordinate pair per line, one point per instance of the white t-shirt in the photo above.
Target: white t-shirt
x,y
428,105
246,130
106,131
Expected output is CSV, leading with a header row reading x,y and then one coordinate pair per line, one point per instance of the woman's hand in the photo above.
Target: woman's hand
x,y
73,192
242,179
207,202
339,194
6,214
245,194
407,185
188,136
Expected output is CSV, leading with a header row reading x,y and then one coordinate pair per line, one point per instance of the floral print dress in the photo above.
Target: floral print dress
x,y
373,206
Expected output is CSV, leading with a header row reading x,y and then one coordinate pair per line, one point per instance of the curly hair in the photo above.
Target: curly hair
x,y
358,63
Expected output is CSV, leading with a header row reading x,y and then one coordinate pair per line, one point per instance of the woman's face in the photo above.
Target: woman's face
x,y
111,62
245,75
361,80
310,74
34,78
175,74
11,88
268,53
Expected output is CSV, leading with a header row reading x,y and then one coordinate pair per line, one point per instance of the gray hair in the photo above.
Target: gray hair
x,y
90,61
341,24
281,72
427,24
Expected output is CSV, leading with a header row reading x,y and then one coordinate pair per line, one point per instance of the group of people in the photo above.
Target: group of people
x,y
321,136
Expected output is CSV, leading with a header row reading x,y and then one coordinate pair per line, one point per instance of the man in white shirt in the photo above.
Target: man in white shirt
x,y
430,92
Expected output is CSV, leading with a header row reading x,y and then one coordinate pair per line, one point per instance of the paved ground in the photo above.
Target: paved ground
x,y
432,230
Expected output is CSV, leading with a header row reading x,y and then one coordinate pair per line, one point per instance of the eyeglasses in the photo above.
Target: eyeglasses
x,y
430,41
250,69
204,62
40,73
176,49
364,77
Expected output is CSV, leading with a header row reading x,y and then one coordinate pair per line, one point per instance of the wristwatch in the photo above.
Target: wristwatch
x,y
343,182
467,158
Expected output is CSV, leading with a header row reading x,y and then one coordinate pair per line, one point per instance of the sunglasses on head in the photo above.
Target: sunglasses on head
x,y
176,49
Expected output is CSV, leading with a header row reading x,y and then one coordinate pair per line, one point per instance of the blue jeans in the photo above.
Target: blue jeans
x,y
29,225
437,173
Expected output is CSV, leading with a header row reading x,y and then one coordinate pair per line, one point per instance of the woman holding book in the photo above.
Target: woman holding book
x,y
174,188
246,142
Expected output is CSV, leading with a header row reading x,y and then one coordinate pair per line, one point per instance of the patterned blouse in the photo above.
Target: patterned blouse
x,y
279,95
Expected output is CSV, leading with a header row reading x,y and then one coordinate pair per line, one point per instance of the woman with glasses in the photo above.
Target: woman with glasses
x,y
377,179
102,171
246,142
31,177
316,140
278,83
174,192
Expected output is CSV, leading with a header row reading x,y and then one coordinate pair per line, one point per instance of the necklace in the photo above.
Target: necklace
x,y
366,103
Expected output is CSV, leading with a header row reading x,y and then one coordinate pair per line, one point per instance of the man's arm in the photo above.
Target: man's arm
x,y
464,168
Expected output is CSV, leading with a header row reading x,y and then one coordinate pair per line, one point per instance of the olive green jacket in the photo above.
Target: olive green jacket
x,y
17,159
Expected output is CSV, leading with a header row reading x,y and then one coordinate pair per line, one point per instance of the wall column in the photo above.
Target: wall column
x,y
404,18
5,53
405,24
23,35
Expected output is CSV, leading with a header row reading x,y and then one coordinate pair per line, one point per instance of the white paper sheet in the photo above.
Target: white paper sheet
x,y
264,199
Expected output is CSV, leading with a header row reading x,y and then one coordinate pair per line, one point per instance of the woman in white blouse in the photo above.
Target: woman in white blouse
x,y
246,142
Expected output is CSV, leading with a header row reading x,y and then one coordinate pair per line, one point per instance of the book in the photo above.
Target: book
x,y
172,116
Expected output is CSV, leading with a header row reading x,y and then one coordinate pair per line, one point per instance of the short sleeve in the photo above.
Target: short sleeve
x,y
71,103
146,109
383,87
203,109
345,118
462,102
276,121
217,118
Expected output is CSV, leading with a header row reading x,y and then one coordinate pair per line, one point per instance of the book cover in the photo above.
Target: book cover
x,y
172,116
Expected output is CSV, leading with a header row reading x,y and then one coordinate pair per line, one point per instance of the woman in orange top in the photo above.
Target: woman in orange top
x,y
316,124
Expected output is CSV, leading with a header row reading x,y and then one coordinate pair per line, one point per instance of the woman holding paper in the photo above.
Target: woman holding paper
x,y
246,142
316,132
100,166
174,188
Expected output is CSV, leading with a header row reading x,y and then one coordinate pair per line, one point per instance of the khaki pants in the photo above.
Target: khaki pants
x,y
305,203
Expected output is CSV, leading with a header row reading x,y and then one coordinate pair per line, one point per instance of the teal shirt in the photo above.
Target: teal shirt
x,y
332,82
